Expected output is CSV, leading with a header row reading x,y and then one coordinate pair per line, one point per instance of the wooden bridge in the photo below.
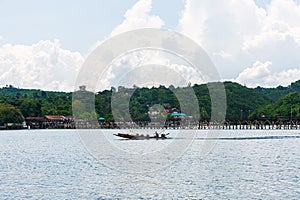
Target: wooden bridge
x,y
179,123
254,123
206,123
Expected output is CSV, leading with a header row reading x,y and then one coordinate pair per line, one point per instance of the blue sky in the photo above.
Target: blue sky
x,y
44,43
77,24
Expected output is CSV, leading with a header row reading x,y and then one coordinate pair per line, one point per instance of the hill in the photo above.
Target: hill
x,y
280,91
35,103
241,101
288,105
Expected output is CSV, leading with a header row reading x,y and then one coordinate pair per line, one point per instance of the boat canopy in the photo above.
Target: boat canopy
x,y
176,114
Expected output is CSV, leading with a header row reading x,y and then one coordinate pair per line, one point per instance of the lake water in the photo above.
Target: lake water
x,y
61,164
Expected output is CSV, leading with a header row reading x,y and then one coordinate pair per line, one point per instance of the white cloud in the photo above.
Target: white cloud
x,y
260,74
286,77
256,73
216,27
237,33
139,17
43,65
223,55
47,66
1,37
282,21
149,67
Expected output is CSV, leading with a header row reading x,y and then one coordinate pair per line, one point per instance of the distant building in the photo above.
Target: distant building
x,y
55,117
50,121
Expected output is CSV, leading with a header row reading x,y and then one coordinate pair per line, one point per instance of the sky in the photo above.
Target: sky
x,y
43,44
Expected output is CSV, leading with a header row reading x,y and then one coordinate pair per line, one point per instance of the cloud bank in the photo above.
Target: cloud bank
x,y
238,33
263,76
47,66
42,65
139,16
248,44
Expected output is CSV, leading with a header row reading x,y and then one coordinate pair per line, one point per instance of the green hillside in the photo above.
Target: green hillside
x,y
36,103
280,91
288,105
241,101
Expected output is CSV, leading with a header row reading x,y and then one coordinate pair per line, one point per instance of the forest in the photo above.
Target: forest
x,y
242,102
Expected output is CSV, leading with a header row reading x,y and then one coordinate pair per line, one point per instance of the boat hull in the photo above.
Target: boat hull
x,y
139,137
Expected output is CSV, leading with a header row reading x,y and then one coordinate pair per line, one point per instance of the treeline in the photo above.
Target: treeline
x,y
242,102
36,103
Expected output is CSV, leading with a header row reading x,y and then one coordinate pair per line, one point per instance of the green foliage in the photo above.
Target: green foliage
x,y
144,98
242,101
36,103
288,105
128,103
204,101
83,105
276,93
30,107
10,114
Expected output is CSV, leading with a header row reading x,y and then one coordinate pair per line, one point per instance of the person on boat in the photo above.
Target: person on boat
x,y
156,134
163,135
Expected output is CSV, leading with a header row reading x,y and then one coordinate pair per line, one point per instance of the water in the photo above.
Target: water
x,y
54,164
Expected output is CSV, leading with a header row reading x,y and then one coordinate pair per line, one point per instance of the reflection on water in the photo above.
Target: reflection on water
x,y
48,164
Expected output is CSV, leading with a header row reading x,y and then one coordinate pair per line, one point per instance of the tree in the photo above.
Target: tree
x,y
31,107
286,106
10,114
